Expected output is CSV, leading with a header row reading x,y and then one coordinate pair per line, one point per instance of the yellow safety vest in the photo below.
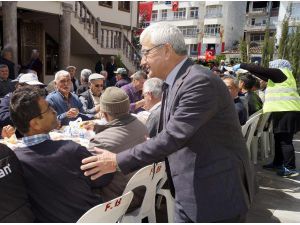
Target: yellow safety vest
x,y
282,97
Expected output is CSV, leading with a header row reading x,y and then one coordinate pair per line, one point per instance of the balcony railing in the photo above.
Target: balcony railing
x,y
209,35
259,26
106,37
258,10
179,17
215,15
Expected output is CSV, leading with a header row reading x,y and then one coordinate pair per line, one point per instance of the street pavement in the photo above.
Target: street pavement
x,y
278,199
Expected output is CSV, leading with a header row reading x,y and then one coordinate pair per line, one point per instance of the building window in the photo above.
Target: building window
x,y
212,30
253,21
124,6
213,11
190,31
194,49
257,37
106,4
180,14
154,15
164,14
194,12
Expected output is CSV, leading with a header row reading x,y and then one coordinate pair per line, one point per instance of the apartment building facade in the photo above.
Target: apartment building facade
x,y
290,9
189,19
208,26
69,33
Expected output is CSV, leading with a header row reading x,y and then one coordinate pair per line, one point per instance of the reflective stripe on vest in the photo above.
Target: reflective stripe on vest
x,y
281,90
283,96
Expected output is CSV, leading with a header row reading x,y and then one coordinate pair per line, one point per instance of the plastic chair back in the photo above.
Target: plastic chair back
x,y
108,212
249,128
149,177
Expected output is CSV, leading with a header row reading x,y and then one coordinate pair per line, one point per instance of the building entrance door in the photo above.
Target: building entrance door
x,y
32,37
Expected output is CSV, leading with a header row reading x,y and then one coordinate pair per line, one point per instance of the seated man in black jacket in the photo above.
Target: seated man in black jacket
x,y
58,189
14,203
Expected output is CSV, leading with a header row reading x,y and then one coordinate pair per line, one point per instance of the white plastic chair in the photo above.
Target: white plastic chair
x,y
145,177
108,212
258,135
169,198
249,128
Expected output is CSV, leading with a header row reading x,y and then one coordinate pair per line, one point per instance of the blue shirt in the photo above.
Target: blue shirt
x,y
35,139
62,105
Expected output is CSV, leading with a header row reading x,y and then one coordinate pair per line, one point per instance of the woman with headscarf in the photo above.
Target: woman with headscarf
x,y
282,99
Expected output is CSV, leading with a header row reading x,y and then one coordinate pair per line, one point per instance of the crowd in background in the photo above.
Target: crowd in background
x,y
56,189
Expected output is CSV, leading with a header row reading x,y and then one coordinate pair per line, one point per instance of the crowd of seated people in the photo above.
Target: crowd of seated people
x,y
57,190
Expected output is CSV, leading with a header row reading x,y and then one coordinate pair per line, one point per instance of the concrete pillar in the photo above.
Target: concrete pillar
x,y
10,35
65,36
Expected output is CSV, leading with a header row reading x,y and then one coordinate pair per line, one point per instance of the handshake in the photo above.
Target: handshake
x,y
72,113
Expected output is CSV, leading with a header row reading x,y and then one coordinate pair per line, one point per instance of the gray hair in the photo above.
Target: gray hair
x,y
153,85
61,73
5,50
85,73
3,66
162,33
235,81
139,75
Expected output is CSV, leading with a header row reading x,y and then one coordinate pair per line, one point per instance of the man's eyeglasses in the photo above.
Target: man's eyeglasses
x,y
42,113
146,52
98,85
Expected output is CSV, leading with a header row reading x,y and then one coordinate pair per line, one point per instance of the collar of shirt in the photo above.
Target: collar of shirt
x,y
155,106
35,139
70,95
172,75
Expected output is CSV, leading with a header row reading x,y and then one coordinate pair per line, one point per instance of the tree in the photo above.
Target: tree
x,y
294,49
267,49
282,51
243,51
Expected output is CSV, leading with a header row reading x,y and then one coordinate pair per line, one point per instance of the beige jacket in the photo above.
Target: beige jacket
x,y
117,136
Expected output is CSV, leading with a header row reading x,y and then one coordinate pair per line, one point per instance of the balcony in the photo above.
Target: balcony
x,y
257,11
258,27
215,15
211,39
178,18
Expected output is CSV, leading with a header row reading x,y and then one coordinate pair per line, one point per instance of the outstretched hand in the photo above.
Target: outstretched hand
x,y
102,163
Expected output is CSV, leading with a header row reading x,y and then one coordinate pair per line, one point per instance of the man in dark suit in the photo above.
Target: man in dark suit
x,y
200,136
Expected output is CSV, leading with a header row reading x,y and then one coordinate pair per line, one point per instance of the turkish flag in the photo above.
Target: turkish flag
x,y
175,6
145,10
209,55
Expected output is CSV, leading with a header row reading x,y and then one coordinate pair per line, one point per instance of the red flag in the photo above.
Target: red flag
x,y
175,6
145,11
209,55
199,49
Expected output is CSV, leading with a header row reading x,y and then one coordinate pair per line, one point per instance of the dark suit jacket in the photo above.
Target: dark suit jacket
x,y
153,121
202,138
241,110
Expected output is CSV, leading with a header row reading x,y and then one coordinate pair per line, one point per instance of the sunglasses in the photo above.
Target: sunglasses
x,y
98,85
